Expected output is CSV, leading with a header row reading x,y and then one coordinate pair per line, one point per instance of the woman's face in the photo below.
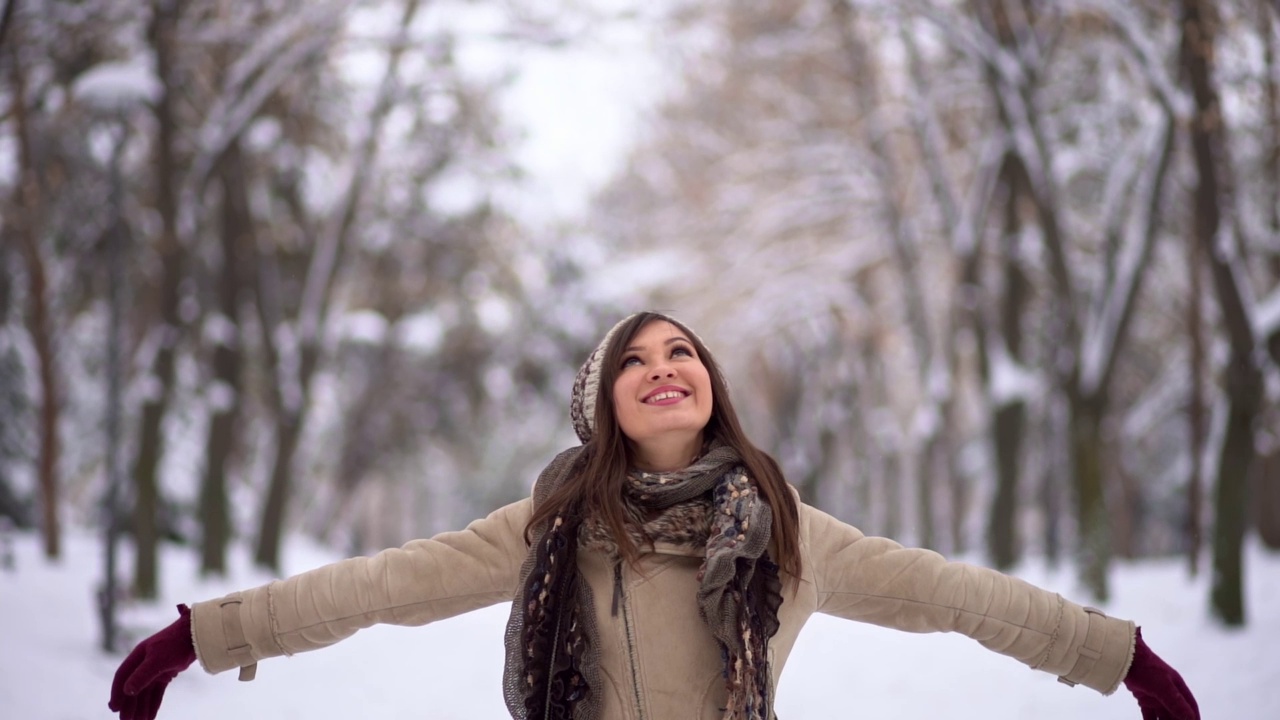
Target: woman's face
x,y
662,395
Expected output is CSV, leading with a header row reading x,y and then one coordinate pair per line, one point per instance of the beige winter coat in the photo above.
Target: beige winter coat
x,y
658,659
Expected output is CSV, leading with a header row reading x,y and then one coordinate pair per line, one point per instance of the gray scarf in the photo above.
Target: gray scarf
x,y
552,662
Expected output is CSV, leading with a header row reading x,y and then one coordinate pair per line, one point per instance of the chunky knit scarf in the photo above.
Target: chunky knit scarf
x,y
552,660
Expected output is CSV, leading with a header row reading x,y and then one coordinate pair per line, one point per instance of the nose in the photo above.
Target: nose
x,y
662,371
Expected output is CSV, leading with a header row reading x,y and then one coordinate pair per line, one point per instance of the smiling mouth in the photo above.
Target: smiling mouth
x,y
666,397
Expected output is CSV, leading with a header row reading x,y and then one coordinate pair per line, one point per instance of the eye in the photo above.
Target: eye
x,y
681,350
630,360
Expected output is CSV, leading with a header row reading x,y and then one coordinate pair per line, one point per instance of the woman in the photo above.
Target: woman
x,y
662,569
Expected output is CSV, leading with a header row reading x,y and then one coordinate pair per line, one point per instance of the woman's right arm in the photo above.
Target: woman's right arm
x,y
425,580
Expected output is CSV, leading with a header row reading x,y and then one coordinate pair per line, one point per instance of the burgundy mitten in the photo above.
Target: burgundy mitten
x,y
141,679
1161,693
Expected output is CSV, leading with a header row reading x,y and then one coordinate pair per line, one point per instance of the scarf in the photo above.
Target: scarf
x,y
552,662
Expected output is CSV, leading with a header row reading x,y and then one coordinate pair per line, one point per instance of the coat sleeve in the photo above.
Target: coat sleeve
x,y
876,580
425,580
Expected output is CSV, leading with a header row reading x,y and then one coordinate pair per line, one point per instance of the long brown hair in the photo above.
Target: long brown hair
x,y
595,485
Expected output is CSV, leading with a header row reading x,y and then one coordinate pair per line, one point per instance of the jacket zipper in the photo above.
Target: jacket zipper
x,y
555,648
620,600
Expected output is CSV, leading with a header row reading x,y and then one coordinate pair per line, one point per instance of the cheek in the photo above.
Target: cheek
x,y
706,392
621,410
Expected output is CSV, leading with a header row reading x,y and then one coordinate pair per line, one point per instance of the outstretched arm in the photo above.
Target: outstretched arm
x,y
423,581
878,581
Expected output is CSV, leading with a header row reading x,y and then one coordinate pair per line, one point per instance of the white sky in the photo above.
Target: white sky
x,y
580,108
574,109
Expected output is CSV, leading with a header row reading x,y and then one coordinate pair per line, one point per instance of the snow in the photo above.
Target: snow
x,y
1010,381
221,396
363,326
1266,318
219,330
51,667
494,314
118,85
423,331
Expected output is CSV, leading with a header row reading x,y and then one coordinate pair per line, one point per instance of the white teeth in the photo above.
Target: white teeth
x,y
665,396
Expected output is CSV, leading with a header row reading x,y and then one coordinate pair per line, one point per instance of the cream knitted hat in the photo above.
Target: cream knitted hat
x,y
586,386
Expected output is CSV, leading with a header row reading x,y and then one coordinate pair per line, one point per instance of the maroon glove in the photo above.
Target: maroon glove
x,y
1161,693
141,679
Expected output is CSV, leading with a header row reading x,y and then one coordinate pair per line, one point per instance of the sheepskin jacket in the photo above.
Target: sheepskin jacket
x,y
658,658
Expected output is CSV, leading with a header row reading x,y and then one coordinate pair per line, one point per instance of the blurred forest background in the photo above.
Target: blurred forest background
x,y
995,277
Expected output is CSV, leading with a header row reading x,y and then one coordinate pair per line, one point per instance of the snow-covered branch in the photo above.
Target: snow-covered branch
x,y
333,235
1105,329
245,91
1136,37
981,191
1010,382
1266,316
964,35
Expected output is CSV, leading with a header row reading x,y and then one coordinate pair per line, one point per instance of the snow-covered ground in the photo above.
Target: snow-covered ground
x,y
51,668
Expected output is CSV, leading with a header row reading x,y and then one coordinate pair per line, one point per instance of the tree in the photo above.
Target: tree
x,y
162,34
1214,211
236,233
31,226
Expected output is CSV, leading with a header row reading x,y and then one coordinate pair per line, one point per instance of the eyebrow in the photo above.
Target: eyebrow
x,y
676,339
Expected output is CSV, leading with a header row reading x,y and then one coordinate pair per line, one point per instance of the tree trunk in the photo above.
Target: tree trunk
x,y
160,378
924,493
1197,426
1125,507
40,326
1266,497
1271,81
1230,498
1094,542
959,489
221,441
1051,483
271,531
1002,534
904,246
313,312
30,224
1010,413
1243,378
892,492
964,240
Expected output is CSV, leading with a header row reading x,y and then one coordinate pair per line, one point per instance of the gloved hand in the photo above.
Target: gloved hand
x,y
1160,690
141,679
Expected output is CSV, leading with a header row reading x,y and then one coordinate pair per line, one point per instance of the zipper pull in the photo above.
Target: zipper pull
x,y
617,588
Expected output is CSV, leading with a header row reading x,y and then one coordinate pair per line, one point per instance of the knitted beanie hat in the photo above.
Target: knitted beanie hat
x,y
586,386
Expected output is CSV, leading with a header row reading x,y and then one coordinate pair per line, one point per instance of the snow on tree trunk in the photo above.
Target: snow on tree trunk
x,y
1214,214
160,376
223,331
295,366
39,323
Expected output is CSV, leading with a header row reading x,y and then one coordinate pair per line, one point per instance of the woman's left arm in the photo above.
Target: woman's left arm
x,y
876,580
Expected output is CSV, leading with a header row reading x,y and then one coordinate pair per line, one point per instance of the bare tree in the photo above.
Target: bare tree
x,y
30,225
1012,43
929,428
236,233
163,36
295,349
1214,215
